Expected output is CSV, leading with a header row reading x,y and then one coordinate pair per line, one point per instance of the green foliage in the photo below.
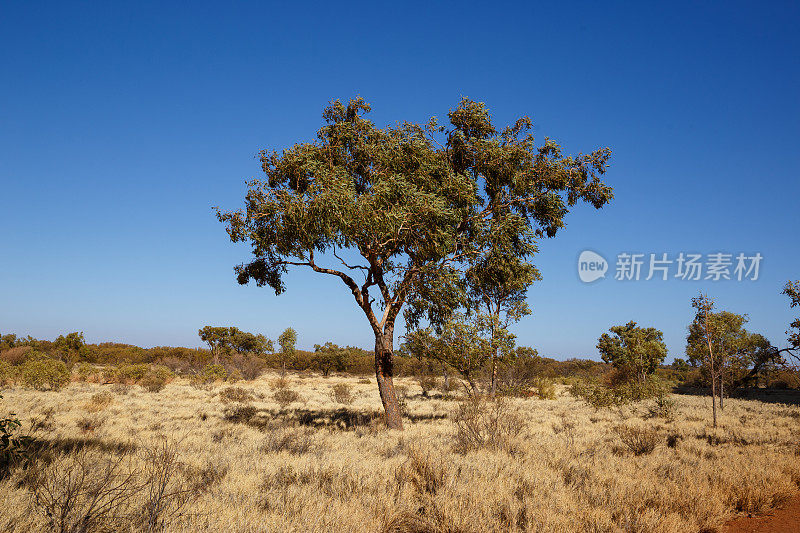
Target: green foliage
x,y
545,389
419,203
330,357
131,374
610,395
288,341
792,290
14,447
212,373
226,340
41,372
465,344
156,378
8,374
634,350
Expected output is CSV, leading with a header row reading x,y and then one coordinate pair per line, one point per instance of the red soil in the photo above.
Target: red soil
x,y
783,520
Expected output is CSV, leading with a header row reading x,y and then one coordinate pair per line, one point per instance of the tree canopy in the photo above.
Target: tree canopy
x,y
634,350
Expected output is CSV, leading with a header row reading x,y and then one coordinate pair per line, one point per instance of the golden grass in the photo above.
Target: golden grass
x,y
571,468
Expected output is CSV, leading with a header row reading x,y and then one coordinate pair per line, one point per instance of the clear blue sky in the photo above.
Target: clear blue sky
x,y
122,124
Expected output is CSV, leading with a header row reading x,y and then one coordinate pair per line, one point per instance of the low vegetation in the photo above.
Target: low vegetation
x,y
235,458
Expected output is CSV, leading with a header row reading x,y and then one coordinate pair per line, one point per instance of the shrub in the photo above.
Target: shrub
x,y
639,440
284,397
40,372
99,401
14,448
235,395
212,373
248,366
663,407
342,393
481,423
88,424
545,388
427,383
156,378
84,371
16,355
8,374
131,374
293,441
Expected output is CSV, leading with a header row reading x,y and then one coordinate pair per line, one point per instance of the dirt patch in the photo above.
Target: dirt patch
x,y
783,520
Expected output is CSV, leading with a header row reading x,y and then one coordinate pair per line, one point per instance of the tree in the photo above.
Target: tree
x,y
217,339
407,207
717,340
634,350
70,345
330,357
792,290
287,341
465,343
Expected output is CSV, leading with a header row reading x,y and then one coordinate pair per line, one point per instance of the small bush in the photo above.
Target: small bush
x,y
99,401
481,423
235,395
545,388
8,374
663,407
427,383
42,373
14,447
639,440
284,397
88,424
131,374
16,355
342,393
293,441
212,373
156,378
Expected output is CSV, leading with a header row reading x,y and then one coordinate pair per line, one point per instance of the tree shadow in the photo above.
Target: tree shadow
x,y
782,396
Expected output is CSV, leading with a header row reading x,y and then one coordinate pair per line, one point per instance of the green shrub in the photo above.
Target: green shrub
x,y
663,407
212,373
14,447
41,373
545,388
156,378
83,371
8,374
131,374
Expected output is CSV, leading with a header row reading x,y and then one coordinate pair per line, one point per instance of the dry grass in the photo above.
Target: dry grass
x,y
316,465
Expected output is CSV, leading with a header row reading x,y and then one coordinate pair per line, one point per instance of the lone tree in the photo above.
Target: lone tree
x,y
288,342
402,210
634,350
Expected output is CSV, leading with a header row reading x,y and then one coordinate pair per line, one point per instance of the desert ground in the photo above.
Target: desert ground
x,y
232,458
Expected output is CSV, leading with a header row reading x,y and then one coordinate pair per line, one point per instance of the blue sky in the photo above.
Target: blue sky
x,y
122,124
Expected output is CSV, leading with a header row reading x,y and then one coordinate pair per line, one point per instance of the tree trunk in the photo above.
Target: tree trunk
x,y
494,376
384,372
721,392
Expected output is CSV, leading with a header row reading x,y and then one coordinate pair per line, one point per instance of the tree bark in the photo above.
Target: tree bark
x,y
384,372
